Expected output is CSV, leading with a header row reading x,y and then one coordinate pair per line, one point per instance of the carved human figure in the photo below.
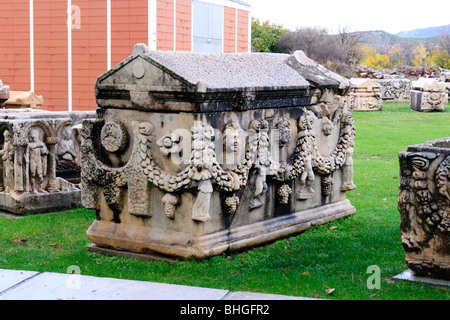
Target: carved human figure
x,y
347,168
66,148
306,137
263,163
7,154
284,130
36,161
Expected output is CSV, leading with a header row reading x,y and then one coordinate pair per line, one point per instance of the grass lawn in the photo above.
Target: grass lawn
x,y
332,256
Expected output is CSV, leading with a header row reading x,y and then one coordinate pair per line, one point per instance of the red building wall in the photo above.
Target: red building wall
x,y
229,30
164,25
50,53
89,59
89,52
15,44
242,31
129,26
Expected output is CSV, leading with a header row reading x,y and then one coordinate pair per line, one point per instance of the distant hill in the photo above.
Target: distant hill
x,y
382,39
424,32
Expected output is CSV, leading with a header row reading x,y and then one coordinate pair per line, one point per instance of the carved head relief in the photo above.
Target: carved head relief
x,y
231,136
34,135
327,126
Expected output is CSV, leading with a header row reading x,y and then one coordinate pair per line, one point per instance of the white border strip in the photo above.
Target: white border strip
x,y
69,54
174,25
32,45
152,16
108,34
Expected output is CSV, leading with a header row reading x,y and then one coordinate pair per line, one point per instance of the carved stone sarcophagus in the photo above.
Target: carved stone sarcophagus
x,y
424,204
195,154
394,89
40,160
428,95
364,95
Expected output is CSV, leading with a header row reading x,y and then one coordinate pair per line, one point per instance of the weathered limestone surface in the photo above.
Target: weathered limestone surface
x,y
428,94
40,168
4,94
394,89
424,204
364,95
445,77
195,154
24,99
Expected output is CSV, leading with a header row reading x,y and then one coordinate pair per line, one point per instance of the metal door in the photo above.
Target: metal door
x,y
207,27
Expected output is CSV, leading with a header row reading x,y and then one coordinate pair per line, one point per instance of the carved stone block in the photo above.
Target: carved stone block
x,y
394,89
4,94
24,99
424,204
195,154
428,95
364,95
40,160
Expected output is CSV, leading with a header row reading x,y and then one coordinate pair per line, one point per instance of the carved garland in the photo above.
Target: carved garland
x,y
203,169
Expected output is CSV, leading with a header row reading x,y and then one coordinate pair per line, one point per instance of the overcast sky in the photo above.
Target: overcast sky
x,y
389,15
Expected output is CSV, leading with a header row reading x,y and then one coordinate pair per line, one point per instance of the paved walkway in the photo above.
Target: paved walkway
x,y
30,285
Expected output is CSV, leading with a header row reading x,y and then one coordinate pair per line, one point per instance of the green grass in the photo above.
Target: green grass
x,y
306,265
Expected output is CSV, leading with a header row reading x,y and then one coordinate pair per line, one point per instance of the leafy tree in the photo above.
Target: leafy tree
x,y
422,57
377,61
266,36
440,58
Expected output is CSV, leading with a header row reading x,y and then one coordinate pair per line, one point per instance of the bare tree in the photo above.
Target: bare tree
x,y
315,42
444,39
349,42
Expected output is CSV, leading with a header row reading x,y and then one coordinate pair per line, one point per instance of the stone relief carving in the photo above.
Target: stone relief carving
x,y
204,172
66,147
170,143
37,149
284,129
427,95
36,154
424,204
364,95
7,155
394,89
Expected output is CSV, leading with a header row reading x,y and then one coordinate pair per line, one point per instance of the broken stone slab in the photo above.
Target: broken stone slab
x,y
4,94
424,202
394,89
428,95
195,154
24,99
409,275
39,160
364,95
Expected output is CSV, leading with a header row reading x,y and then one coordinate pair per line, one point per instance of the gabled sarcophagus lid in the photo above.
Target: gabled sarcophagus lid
x,y
202,82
